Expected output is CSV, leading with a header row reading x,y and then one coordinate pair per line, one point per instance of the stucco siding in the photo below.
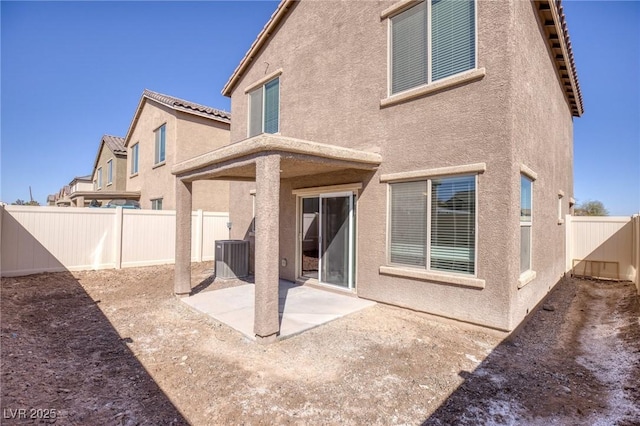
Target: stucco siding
x,y
119,177
153,181
543,140
333,59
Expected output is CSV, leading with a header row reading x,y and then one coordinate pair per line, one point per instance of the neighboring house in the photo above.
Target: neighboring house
x,y
110,165
66,196
164,131
416,153
108,180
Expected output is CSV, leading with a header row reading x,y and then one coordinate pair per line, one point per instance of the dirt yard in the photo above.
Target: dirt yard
x,y
115,347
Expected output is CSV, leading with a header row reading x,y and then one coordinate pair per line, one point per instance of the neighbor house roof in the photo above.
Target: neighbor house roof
x,y
176,104
87,178
115,145
551,14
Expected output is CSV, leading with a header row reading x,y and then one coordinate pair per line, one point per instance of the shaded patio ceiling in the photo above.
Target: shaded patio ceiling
x,y
298,158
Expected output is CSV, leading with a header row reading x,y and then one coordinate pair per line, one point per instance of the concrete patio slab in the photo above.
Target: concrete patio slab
x,y
301,308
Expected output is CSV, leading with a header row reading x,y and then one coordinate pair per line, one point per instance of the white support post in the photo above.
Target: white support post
x,y
117,238
568,242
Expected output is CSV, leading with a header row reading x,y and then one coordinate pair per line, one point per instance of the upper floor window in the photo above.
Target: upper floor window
x,y
109,172
99,178
134,159
433,224
264,108
430,41
156,204
161,137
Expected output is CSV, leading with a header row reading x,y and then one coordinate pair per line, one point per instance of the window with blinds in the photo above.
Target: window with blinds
x,y
430,41
433,224
264,108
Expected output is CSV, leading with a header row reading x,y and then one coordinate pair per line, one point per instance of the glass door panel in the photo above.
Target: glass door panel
x,y
335,239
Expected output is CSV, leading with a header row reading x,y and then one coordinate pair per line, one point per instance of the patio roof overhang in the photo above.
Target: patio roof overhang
x,y
297,158
106,195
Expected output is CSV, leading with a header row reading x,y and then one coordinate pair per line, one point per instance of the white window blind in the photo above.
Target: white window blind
x,y
453,224
430,41
452,37
271,106
408,232
409,48
434,220
255,113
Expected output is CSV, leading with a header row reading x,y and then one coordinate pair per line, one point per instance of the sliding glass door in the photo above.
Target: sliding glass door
x,y
328,238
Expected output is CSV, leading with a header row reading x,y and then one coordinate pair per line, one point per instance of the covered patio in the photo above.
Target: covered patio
x,y
300,308
265,159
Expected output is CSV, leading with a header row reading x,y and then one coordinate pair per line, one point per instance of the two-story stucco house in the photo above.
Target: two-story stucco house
x,y
416,153
164,131
110,165
108,180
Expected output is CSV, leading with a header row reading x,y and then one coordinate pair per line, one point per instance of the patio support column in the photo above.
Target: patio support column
x,y
267,251
182,280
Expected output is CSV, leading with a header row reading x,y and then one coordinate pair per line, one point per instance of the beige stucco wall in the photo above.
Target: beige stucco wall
x,y
119,170
330,92
186,136
543,139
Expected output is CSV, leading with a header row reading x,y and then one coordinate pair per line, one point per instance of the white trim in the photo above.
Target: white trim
x,y
347,187
526,277
425,89
440,171
427,268
430,86
267,78
398,8
530,174
421,274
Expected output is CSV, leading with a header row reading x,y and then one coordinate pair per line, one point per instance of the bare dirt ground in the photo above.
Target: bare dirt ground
x,y
115,347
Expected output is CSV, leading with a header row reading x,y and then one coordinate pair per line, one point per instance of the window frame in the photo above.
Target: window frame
x,y
525,223
262,87
160,130
403,6
99,177
428,245
135,155
155,202
109,171
560,200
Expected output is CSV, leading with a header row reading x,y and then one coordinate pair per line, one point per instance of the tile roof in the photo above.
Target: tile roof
x,y
115,144
555,27
186,106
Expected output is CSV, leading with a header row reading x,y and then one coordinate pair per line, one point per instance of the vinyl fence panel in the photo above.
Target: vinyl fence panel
x,y
602,246
51,239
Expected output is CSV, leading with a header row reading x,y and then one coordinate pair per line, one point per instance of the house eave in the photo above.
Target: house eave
x,y
277,17
555,29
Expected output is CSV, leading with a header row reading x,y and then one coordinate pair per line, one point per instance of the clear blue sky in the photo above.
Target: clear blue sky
x,y
73,71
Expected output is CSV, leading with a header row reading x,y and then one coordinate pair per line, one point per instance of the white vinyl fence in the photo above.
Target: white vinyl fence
x,y
50,239
604,247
